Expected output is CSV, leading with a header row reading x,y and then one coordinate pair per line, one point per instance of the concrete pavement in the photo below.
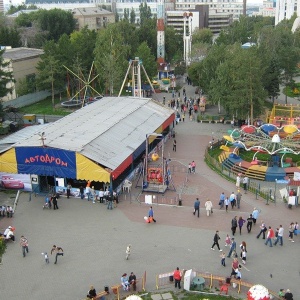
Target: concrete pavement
x,y
94,239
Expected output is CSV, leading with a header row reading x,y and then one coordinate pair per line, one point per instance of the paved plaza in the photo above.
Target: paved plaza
x,y
94,239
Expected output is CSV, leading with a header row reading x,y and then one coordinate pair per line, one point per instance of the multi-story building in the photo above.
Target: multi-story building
x,y
268,9
234,7
94,18
22,64
219,21
285,9
1,6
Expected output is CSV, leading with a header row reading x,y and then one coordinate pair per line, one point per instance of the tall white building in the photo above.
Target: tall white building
x,y
1,6
285,9
233,7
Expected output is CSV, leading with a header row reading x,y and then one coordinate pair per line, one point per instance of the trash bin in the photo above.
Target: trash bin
x,y
180,202
171,278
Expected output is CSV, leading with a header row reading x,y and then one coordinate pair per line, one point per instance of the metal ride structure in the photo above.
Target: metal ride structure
x,y
86,87
134,68
268,138
155,173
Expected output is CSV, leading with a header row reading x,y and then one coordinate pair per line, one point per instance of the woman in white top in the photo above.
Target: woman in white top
x,y
208,207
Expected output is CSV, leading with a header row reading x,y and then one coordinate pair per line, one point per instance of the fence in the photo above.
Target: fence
x,y
213,283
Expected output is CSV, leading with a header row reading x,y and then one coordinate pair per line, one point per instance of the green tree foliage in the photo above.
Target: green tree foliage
x,y
238,83
145,12
10,37
130,34
132,16
56,22
126,14
147,33
110,57
203,36
148,59
50,70
5,75
173,45
13,9
117,17
24,20
83,45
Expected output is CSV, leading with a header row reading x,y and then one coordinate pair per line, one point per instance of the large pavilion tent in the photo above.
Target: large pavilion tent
x,y
96,142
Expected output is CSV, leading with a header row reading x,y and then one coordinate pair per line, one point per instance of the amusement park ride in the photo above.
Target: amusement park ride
x,y
155,172
278,138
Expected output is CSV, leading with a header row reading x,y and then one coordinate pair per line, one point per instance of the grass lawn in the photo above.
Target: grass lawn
x,y
44,107
290,93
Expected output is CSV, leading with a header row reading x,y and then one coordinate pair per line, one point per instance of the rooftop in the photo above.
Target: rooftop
x,y
21,53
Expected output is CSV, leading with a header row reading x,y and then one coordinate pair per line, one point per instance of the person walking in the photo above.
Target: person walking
x,y
58,251
232,200
222,199
208,207
234,224
296,228
232,247
24,245
238,197
243,247
151,214
291,232
227,240
255,215
197,207
177,278
193,164
263,230
270,236
223,259
279,236
245,184
69,187
226,202
216,241
241,222
128,251
109,201
81,192
249,223
174,145
238,181
54,201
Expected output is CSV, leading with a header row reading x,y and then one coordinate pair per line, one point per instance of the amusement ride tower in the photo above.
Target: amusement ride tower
x,y
160,31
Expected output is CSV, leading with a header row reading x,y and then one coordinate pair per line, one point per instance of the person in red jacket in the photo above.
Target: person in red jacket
x,y
177,277
270,236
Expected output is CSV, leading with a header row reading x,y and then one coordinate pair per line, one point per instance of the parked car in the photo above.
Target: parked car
x,y
9,182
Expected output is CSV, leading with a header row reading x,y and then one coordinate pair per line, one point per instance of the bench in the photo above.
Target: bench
x,y
100,295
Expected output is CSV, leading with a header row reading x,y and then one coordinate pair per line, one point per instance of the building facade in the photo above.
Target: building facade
x,y
1,6
219,21
285,9
22,63
94,18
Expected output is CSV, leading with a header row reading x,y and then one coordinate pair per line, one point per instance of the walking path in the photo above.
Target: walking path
x,y
94,239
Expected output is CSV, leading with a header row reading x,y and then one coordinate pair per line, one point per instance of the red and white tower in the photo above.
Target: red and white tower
x,y
160,31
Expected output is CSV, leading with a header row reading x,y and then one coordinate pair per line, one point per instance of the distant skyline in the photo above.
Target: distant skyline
x,y
18,2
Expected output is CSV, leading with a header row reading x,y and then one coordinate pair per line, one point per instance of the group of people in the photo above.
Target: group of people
x,y
7,211
233,200
126,282
192,167
208,207
242,180
239,222
8,234
52,200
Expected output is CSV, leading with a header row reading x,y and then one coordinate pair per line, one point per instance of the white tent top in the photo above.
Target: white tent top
x,y
106,131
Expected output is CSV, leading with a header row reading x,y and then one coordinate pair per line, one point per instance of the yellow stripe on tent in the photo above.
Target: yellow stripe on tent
x,y
8,162
86,169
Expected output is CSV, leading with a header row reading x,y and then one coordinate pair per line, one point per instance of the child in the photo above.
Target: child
x,y
223,259
244,254
190,168
227,240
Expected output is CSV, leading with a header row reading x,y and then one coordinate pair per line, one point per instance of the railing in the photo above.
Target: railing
x,y
256,187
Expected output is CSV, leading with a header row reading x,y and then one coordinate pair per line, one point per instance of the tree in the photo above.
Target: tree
x,y
56,22
24,20
117,17
148,33
173,45
50,70
132,16
126,14
10,37
271,78
203,36
145,12
110,57
149,60
238,83
5,75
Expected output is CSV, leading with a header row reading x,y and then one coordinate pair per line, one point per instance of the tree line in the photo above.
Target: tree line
x,y
242,79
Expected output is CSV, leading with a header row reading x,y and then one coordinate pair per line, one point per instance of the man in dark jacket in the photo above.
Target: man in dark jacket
x,y
196,207
216,241
234,225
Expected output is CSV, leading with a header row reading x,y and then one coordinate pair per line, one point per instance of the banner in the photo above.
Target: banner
x,y
46,161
